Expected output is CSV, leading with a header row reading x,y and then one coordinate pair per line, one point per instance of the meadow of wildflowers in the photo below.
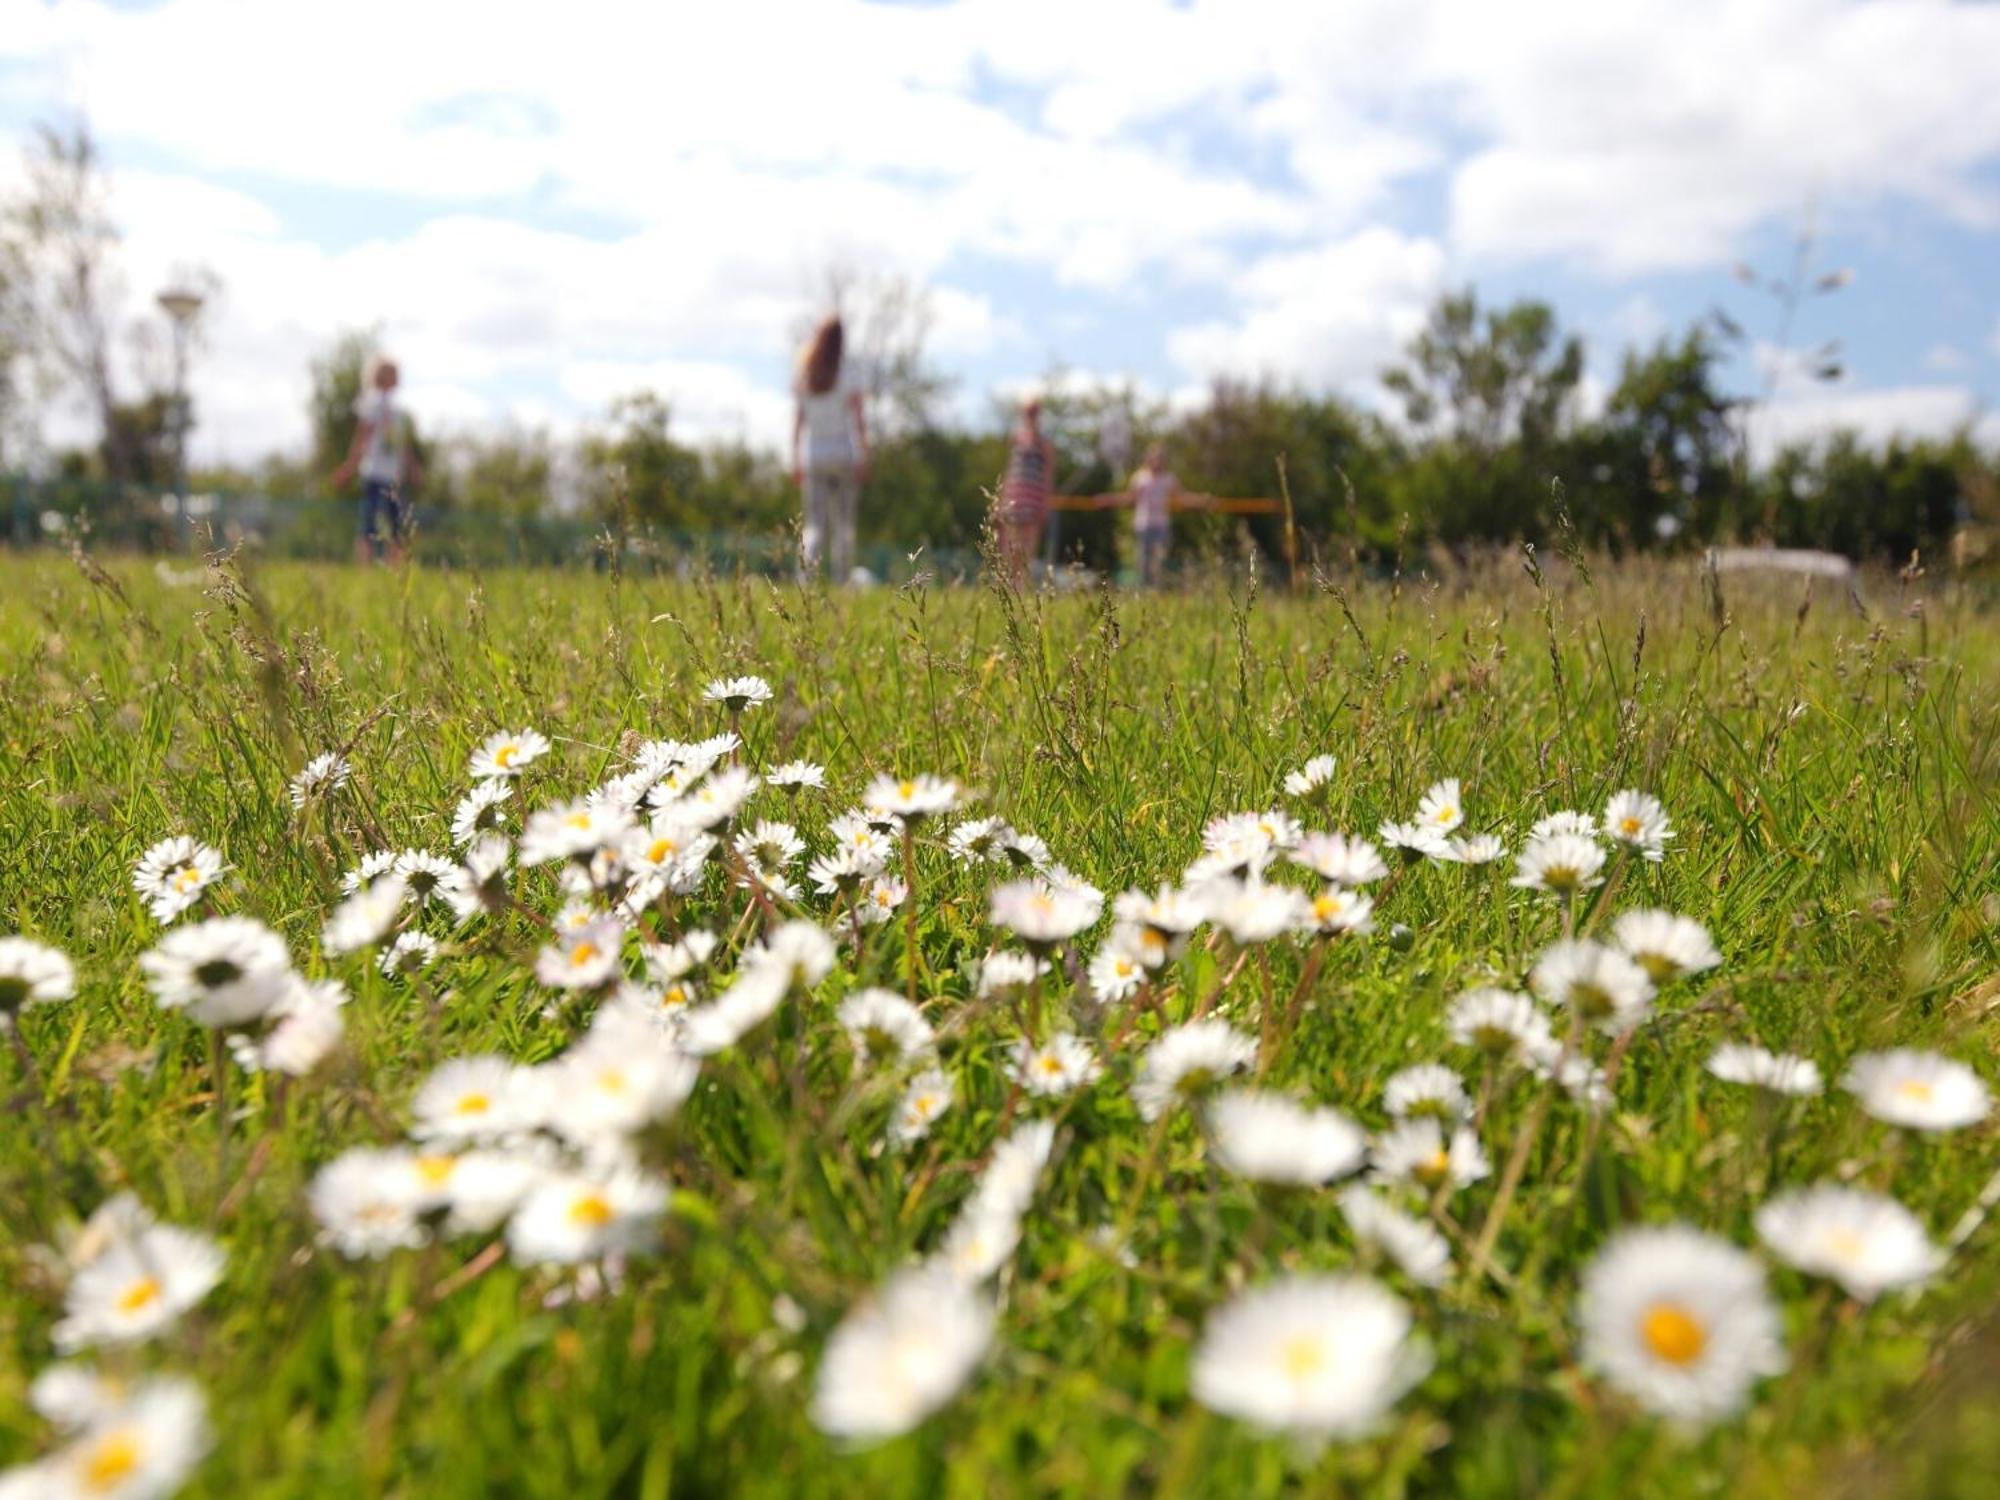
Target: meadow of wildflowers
x,y
575,1036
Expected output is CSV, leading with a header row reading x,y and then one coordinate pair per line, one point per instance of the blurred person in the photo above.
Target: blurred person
x,y
381,453
829,451
1151,493
1024,493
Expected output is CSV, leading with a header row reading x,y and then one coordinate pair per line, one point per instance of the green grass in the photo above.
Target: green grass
x,y
1831,773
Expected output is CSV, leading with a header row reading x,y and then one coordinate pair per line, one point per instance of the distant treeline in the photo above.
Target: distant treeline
x,y
1490,446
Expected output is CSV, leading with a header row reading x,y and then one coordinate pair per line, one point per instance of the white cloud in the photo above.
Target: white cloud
x,y
1875,416
1331,317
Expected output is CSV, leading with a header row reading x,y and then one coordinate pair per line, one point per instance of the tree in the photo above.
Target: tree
x,y
638,467
1486,381
337,377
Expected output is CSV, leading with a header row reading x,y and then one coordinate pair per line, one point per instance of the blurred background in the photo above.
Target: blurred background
x,y
1727,272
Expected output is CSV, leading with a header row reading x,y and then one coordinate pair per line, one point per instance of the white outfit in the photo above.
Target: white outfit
x,y
382,463
830,439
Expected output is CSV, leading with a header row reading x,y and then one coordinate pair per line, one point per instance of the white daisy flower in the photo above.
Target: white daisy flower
x,y
588,958
1919,1090
306,1026
1060,1065
623,1076
423,873
479,886
801,952
1442,808
1186,1063
1560,863
900,1355
884,1027
481,810
138,1287
372,868
913,797
142,1445
1252,912
796,775
568,1217
366,917
1637,819
1579,1077
1602,985
480,1097
1311,781
929,1095
1338,859
1312,1357
1779,1072
411,952
738,693
1499,1023
1339,909
321,776
1679,1321
759,988
1415,1245
1667,947
1008,1184
1043,915
1868,1243
1004,974
668,961
32,973
367,1203
1270,1138
770,846
505,754
718,797
1474,849
977,841
1417,1150
1024,851
846,869
572,830
978,1243
172,875
1426,1089
72,1396
222,972
1579,824
1119,967
479,1189
1414,840
880,902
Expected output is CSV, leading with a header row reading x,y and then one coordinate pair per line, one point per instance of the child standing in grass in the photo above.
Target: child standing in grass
x,y
1151,494
829,452
381,454
1024,493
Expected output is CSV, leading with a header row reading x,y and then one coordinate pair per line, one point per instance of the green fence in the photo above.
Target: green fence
x,y
132,518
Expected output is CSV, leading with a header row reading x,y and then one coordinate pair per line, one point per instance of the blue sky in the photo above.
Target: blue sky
x,y
543,216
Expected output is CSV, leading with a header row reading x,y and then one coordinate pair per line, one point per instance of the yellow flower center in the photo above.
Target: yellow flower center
x,y
504,756
1844,1244
434,1170
591,1211
141,1294
186,879
924,1105
1915,1090
675,997
906,789
1673,1333
578,820
1328,906
659,849
1122,967
1630,827
582,954
1302,1357
1432,1169
110,1459
1446,814
1049,1063
611,1080
474,1104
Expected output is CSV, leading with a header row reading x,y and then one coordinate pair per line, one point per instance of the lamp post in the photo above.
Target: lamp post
x,y
182,305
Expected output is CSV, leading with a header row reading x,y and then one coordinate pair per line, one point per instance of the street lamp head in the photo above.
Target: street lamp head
x,y
180,303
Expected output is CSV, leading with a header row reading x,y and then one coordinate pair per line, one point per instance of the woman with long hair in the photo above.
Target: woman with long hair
x,y
829,451
1023,503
